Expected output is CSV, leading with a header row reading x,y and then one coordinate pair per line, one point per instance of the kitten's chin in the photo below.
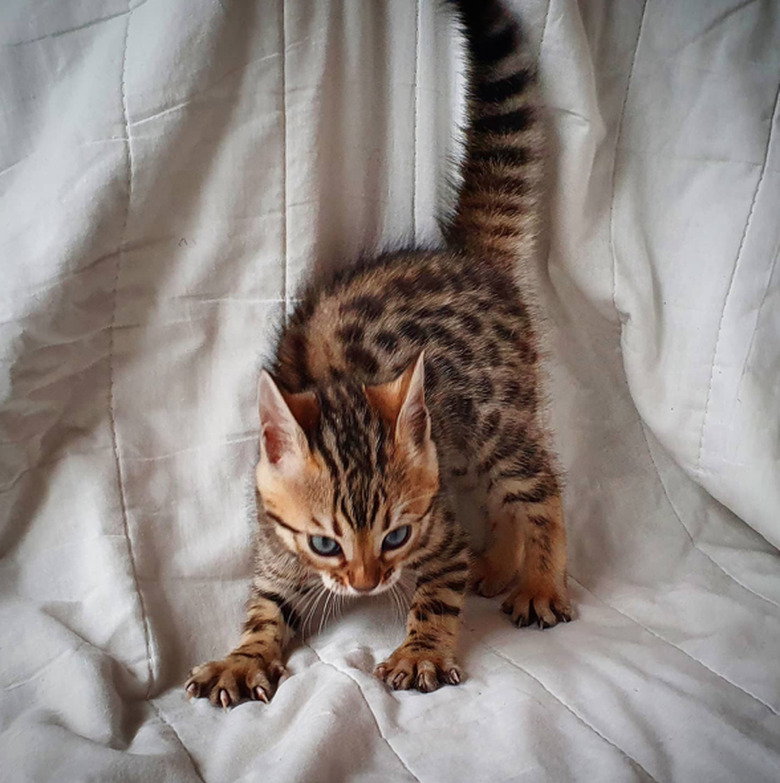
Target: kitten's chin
x,y
340,589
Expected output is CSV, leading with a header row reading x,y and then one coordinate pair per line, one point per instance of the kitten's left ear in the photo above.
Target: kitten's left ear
x,y
402,404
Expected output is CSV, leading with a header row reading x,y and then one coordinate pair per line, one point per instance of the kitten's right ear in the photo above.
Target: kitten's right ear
x,y
402,404
282,440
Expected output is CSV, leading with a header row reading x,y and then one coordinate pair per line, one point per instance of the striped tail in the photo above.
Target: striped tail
x,y
497,214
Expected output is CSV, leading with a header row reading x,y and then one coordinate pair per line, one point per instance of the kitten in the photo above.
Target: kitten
x,y
392,380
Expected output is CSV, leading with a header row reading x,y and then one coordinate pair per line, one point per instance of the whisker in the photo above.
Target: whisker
x,y
325,609
396,605
308,598
312,607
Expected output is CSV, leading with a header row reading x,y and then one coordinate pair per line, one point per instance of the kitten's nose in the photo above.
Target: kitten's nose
x,y
364,580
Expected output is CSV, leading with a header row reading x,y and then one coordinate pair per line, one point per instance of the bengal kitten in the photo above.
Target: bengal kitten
x,y
412,367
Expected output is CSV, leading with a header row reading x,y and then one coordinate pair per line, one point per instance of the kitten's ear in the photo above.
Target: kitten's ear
x,y
414,424
282,440
402,404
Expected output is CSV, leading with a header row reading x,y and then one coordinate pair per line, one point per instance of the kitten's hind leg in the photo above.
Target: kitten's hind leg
x,y
526,516
495,566
542,595
493,571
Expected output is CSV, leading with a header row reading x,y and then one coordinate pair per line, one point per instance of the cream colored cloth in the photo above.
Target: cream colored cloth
x,y
168,173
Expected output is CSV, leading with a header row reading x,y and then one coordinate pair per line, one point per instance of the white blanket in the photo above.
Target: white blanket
x,y
169,171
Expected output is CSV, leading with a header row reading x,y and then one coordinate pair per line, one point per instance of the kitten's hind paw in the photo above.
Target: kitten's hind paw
x,y
489,576
423,671
491,586
234,679
544,611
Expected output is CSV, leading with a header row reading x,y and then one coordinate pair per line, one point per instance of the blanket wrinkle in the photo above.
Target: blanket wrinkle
x,y
633,762
49,462
735,268
679,649
368,706
43,668
19,162
56,281
172,729
693,541
722,17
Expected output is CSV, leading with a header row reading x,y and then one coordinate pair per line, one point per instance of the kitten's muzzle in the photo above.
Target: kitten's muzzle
x,y
365,585
364,579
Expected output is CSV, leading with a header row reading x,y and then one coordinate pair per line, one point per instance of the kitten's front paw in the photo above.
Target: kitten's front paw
x,y
234,679
422,670
546,611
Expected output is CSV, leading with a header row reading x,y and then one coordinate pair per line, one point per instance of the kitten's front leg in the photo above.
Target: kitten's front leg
x,y
427,658
252,670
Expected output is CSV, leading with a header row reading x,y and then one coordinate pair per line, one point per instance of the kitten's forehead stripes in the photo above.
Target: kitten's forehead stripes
x,y
351,439
386,522
377,497
279,521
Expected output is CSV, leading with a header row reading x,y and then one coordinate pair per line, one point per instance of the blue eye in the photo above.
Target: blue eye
x,y
397,538
322,545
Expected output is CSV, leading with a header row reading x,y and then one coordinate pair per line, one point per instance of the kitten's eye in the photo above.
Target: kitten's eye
x,y
397,538
322,545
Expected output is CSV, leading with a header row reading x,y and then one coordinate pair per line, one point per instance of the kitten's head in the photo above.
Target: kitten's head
x,y
348,476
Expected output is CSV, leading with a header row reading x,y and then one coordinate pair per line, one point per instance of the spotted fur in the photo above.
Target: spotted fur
x,y
397,380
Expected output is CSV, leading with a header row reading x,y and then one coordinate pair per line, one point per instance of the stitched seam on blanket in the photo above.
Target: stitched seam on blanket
x,y
415,117
62,457
560,701
175,733
770,276
111,398
78,28
716,352
368,705
685,528
285,226
197,447
674,646
618,136
544,32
